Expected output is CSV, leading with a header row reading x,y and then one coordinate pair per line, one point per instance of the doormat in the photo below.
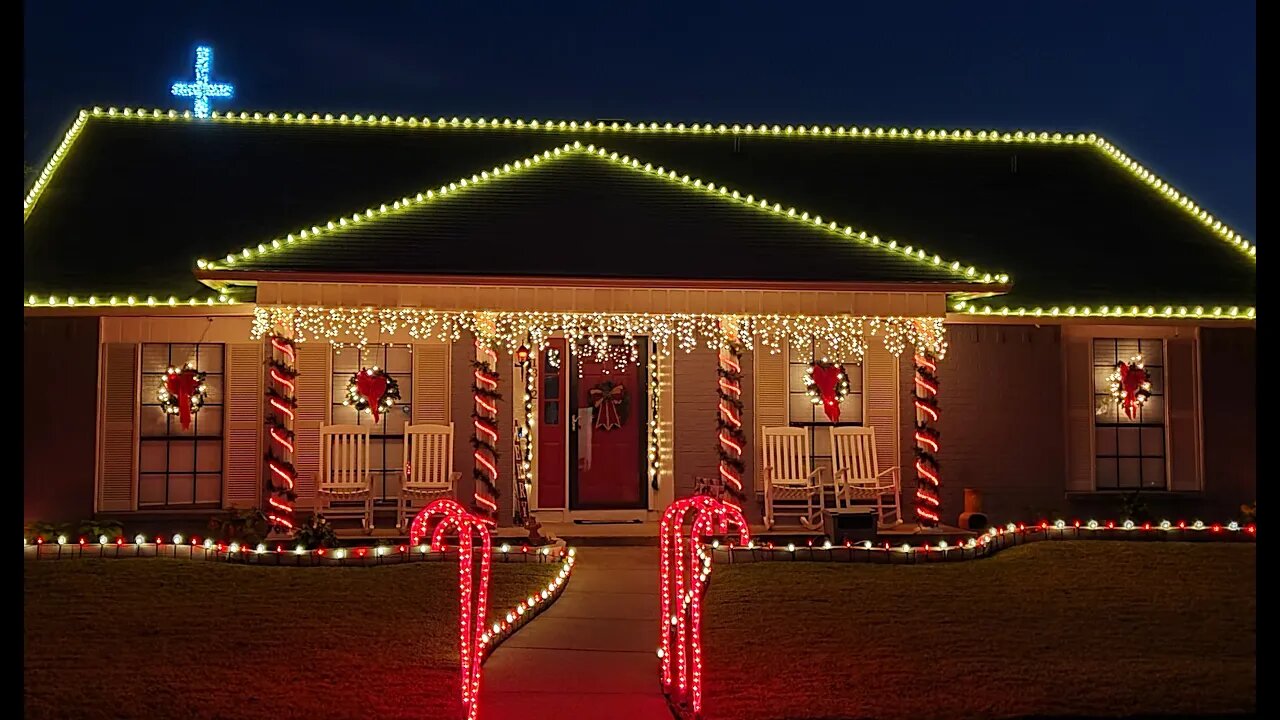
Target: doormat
x,y
608,522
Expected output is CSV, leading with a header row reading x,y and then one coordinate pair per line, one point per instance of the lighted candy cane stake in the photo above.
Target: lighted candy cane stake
x,y
684,577
472,603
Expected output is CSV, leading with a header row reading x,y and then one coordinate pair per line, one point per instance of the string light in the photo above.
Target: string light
x,y
925,397
685,573
844,335
201,90
1181,312
484,433
961,272
524,422
730,409
282,405
837,133
74,301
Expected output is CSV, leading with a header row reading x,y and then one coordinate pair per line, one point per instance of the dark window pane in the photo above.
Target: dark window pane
x,y
551,413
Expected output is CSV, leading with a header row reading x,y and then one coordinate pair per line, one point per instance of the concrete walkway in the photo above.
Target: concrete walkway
x,y
592,655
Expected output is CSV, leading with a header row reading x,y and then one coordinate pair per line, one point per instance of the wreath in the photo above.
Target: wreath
x,y
1130,386
373,391
610,403
182,393
827,385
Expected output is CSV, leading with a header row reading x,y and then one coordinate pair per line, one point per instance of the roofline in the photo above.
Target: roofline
x,y
747,202
83,310
215,278
964,318
1042,137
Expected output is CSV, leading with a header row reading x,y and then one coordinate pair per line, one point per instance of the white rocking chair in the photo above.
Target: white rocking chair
x,y
859,481
788,476
344,473
428,469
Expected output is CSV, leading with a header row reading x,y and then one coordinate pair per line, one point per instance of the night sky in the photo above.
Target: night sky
x,y
1173,83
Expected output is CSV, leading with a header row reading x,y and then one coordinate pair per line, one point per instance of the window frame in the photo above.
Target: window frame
x,y
1102,394
147,385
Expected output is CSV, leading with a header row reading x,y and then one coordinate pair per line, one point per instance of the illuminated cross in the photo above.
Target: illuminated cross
x,y
203,90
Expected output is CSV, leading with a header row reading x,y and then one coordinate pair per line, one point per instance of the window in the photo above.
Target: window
x,y
801,412
386,437
179,467
1129,453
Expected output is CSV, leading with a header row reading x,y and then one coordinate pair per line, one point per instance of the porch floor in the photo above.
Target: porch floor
x,y
622,534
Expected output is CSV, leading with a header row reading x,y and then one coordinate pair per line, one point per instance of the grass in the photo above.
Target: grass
x,y
161,638
1052,629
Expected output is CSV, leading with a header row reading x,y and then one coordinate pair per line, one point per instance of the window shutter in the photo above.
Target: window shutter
x,y
770,379
1182,398
431,383
242,483
1078,387
118,466
313,385
882,397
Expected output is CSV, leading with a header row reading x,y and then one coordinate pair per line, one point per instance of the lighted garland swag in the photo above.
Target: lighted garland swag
x,y
723,428
479,442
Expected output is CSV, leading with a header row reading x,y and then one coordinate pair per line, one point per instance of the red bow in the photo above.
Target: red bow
x,y
372,387
826,378
607,401
1132,381
182,384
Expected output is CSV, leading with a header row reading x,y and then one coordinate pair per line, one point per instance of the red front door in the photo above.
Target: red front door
x,y
608,419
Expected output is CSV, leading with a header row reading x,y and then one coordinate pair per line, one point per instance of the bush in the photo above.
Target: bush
x,y
247,527
1249,512
1134,507
317,532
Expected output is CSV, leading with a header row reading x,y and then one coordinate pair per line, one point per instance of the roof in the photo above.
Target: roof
x,y
1056,212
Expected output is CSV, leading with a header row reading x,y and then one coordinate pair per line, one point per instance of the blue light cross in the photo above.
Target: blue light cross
x,y
203,90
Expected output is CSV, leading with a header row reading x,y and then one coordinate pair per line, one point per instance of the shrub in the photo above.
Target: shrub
x,y
247,526
317,532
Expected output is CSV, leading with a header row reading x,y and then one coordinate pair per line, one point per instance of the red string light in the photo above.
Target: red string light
x,y
484,435
685,572
729,418
282,403
473,601
926,437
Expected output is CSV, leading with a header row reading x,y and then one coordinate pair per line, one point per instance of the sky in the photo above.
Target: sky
x,y
1173,83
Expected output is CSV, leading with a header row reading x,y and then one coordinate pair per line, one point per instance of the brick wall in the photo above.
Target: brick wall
x,y
59,438
1229,387
1002,421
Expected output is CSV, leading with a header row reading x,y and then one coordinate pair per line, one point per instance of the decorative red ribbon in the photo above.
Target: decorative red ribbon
x,y
607,405
182,385
473,602
827,377
372,387
1132,380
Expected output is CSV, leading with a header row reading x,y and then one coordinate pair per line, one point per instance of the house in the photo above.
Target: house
x,y
600,265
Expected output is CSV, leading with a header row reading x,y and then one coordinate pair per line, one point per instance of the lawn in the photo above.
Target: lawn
x,y
160,638
1052,629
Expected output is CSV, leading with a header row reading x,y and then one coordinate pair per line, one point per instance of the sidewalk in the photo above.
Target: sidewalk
x,y
592,655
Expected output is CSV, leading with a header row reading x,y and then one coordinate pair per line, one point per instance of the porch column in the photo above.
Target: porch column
x,y
732,440
925,398
484,433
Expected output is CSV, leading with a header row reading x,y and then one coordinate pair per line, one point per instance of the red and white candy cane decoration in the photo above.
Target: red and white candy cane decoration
x,y
281,405
473,602
926,436
732,439
685,572
484,433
